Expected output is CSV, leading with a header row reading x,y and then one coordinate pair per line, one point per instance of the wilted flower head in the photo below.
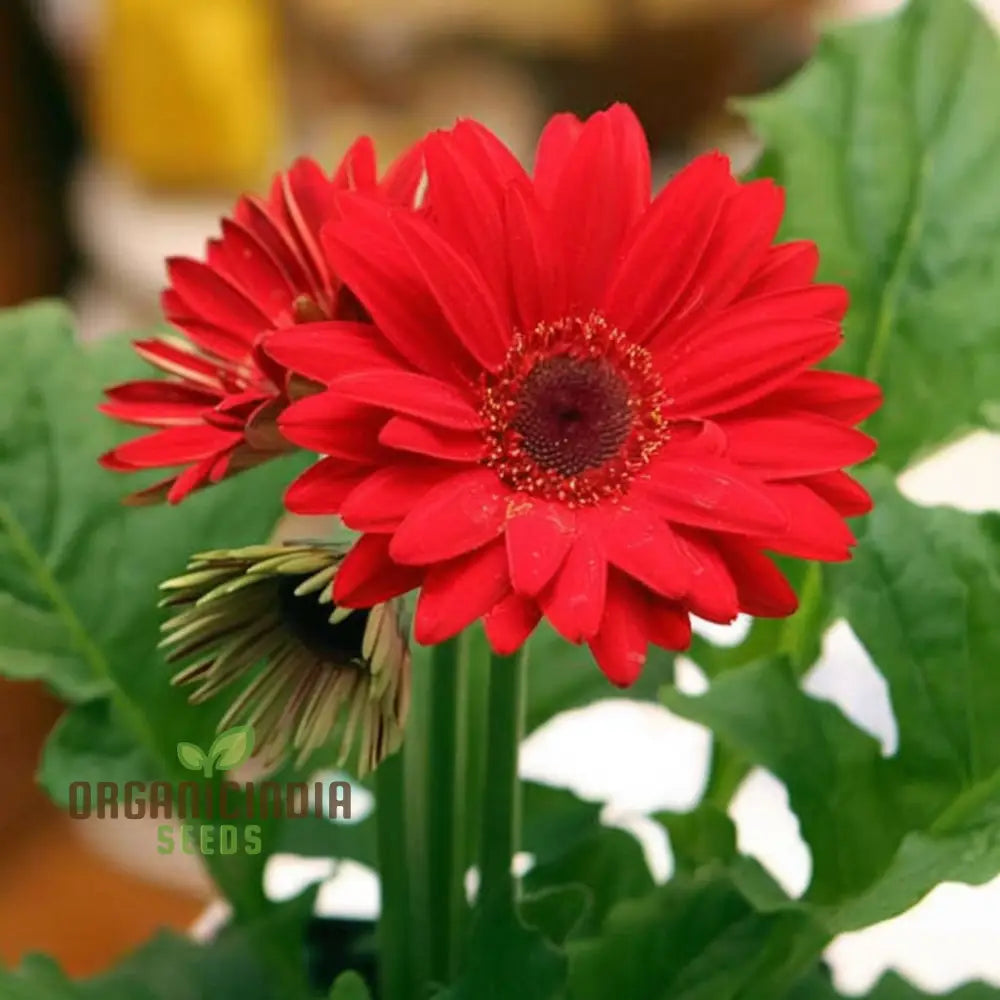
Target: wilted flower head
x,y
583,402
262,618
216,413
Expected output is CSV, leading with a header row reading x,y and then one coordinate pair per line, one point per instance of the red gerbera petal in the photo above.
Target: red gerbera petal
x,y
367,251
368,575
844,494
789,265
602,190
793,445
323,487
455,593
711,493
174,446
537,280
574,602
761,587
713,594
409,393
465,511
455,170
385,498
642,545
407,434
665,248
539,535
557,142
814,528
619,646
510,622
207,294
845,398
668,625
322,351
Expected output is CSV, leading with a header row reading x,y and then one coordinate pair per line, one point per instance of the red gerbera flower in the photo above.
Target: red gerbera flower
x,y
580,403
216,413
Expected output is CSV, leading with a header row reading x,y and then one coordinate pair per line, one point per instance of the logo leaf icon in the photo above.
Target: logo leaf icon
x,y
191,756
232,747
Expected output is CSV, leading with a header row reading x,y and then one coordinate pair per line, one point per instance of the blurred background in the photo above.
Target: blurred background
x,y
126,129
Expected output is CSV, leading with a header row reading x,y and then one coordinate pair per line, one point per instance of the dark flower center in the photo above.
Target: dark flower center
x,y
309,622
572,413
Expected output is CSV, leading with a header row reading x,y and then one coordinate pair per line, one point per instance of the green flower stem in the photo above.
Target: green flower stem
x,y
446,818
796,629
501,826
396,969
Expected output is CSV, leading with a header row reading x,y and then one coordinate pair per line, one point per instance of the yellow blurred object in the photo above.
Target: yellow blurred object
x,y
188,92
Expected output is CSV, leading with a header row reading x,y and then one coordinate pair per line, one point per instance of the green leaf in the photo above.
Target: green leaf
x,y
36,645
609,864
191,756
558,913
74,559
817,986
232,748
699,837
962,845
836,778
505,958
79,572
40,978
922,594
696,938
90,744
349,986
894,987
170,967
555,820
886,144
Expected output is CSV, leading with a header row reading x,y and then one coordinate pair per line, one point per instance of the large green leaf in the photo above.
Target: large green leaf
x,y
572,848
696,938
90,743
174,968
894,987
836,778
887,145
922,594
505,958
818,986
78,571
699,837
